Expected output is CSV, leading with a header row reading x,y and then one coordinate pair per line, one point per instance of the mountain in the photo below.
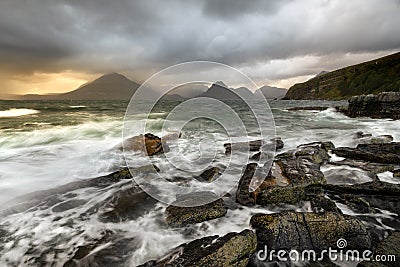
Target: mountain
x,y
245,93
271,92
219,90
173,97
189,90
372,77
112,86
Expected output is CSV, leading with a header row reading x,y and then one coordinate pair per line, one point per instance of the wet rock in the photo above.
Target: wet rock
x,y
51,196
184,210
171,137
390,250
383,105
364,198
362,135
243,195
308,108
396,173
370,188
149,144
290,173
110,250
210,174
380,153
255,145
126,204
279,144
67,205
381,139
233,249
298,195
373,168
243,146
307,230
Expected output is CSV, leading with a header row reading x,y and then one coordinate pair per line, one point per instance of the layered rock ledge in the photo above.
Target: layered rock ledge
x,y
383,105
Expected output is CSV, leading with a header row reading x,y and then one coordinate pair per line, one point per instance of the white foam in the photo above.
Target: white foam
x,y
388,177
17,112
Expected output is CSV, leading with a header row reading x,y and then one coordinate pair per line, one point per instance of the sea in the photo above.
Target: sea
x,y
45,144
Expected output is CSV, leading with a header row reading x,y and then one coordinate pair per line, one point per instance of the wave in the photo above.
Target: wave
x,y
17,112
73,107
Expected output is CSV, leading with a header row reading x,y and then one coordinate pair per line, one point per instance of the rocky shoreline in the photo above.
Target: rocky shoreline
x,y
296,179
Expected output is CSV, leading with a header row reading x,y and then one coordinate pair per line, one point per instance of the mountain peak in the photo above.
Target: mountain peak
x,y
220,83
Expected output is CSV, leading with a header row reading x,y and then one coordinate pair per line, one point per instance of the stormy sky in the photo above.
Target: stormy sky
x,y
49,46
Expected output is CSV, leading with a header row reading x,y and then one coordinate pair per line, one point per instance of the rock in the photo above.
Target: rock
x,y
149,144
362,135
233,249
210,174
243,195
389,248
377,139
367,196
128,203
373,168
184,210
383,105
109,250
308,108
171,137
290,173
380,153
25,202
278,143
396,173
306,230
69,204
255,145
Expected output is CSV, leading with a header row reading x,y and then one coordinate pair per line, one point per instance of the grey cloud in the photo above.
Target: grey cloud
x,y
228,9
144,36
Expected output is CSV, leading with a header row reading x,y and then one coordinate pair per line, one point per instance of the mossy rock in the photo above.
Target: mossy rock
x,y
184,210
308,230
230,250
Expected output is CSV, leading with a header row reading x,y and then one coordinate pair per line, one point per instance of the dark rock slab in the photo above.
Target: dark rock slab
x,y
126,204
256,145
111,249
383,105
243,195
390,249
388,153
362,135
67,205
307,230
50,196
373,168
291,172
380,139
184,210
308,108
210,174
233,249
365,197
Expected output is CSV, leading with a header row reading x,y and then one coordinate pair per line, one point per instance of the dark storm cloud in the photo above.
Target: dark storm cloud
x,y
228,9
137,36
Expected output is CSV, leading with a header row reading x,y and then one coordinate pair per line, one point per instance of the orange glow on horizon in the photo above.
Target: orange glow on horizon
x,y
47,83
